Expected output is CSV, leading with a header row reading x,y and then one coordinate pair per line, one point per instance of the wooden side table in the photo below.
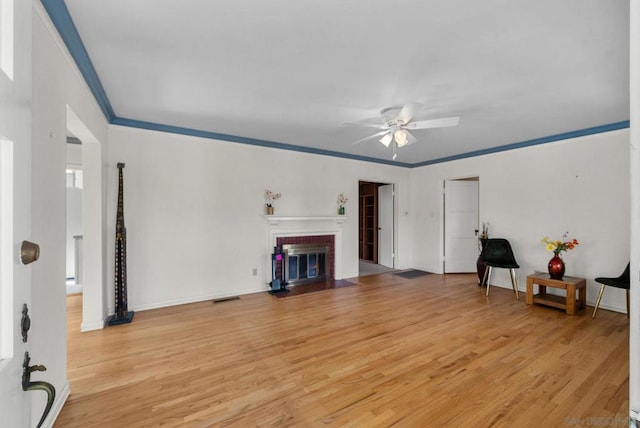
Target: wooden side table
x,y
568,283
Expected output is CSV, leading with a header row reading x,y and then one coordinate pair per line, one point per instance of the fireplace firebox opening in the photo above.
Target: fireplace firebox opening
x,y
304,263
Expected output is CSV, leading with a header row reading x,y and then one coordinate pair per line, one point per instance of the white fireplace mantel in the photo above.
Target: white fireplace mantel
x,y
276,220
284,226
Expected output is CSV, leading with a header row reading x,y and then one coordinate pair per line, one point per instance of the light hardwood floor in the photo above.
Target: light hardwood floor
x,y
432,351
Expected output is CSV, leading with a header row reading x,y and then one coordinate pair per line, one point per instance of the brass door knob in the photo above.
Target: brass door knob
x,y
29,252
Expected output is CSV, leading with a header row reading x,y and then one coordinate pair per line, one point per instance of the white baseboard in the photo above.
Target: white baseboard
x,y
93,325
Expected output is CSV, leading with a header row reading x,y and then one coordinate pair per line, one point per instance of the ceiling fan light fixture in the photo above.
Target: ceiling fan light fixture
x,y
397,124
401,137
386,139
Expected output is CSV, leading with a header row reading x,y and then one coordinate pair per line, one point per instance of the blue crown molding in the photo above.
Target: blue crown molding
x,y
61,19
245,140
543,140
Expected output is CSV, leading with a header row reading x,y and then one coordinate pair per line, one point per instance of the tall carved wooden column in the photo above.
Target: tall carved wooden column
x,y
122,314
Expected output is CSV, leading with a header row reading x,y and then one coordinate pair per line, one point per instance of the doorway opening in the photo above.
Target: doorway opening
x,y
74,215
376,232
92,251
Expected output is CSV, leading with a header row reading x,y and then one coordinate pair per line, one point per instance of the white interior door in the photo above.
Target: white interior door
x,y
385,225
15,208
460,226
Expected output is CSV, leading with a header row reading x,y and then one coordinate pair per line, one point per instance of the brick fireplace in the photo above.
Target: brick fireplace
x,y
318,230
317,241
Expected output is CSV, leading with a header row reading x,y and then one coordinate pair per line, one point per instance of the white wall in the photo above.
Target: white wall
x,y
579,185
194,211
56,85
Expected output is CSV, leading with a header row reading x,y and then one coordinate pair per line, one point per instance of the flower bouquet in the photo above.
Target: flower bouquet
x,y
342,200
269,197
556,265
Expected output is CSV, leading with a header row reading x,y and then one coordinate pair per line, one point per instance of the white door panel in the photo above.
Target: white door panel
x,y
458,225
461,223
15,209
385,225
462,196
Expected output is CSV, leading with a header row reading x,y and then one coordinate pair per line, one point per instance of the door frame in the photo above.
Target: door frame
x,y
94,297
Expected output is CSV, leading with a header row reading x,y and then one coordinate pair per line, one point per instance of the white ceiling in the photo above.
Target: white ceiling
x,y
295,71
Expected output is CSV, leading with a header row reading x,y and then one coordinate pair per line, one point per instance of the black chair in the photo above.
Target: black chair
x,y
498,253
622,281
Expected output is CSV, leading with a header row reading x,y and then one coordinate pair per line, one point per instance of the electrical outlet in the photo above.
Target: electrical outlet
x,y
255,271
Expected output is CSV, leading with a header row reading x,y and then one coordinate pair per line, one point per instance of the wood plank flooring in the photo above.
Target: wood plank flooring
x,y
431,351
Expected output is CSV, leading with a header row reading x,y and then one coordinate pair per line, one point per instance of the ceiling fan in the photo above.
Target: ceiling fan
x,y
397,122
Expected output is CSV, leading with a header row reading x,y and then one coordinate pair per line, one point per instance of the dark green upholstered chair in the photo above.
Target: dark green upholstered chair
x,y
623,282
498,254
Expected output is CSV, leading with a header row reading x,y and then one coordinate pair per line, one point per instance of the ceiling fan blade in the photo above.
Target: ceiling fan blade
x,y
387,138
407,112
367,124
433,123
377,134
